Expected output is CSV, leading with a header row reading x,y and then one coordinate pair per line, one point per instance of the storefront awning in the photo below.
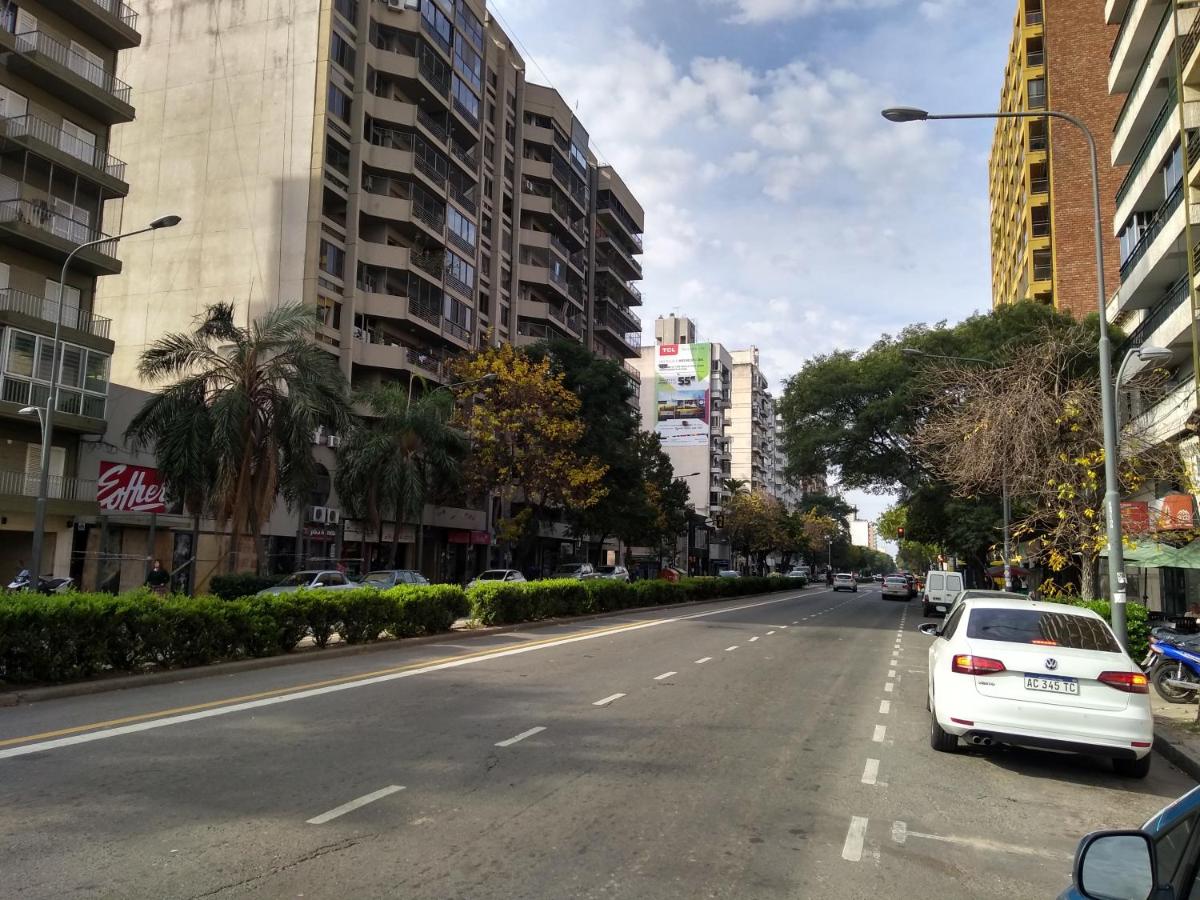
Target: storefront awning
x,y
1153,555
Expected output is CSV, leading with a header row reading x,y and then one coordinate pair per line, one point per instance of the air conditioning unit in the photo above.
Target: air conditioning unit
x,y
318,436
332,516
318,514
335,440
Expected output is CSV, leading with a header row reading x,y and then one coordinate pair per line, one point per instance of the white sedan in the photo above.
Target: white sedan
x,y
1041,675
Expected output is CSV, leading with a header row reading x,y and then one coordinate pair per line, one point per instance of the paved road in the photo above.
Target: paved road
x,y
764,747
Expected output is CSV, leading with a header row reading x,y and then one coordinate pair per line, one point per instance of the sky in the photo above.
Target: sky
x,y
781,210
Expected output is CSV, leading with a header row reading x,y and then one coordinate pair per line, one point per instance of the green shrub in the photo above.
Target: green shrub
x,y
1137,624
240,584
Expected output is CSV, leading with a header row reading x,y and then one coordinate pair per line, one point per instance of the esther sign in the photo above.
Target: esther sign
x,y
125,488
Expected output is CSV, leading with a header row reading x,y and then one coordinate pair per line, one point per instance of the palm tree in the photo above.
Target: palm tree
x,y
236,423
393,459
736,486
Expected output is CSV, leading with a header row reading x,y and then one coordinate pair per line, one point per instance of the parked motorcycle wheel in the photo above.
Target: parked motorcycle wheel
x,y
1168,669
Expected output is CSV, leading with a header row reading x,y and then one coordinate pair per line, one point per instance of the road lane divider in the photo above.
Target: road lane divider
x,y
611,698
880,734
355,804
703,659
728,649
517,738
870,772
855,834
885,707
664,675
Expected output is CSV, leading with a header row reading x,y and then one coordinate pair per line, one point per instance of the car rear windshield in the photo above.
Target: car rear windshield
x,y
896,580
1047,629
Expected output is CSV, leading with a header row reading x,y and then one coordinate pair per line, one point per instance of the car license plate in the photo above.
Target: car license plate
x,y
1051,683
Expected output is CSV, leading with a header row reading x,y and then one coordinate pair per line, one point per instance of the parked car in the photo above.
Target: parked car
x,y
798,574
844,581
579,571
491,575
1041,675
729,573
1125,863
877,578
940,590
311,578
612,573
895,586
386,578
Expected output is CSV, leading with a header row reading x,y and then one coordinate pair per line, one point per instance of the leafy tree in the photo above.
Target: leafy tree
x,y
392,460
661,515
253,396
736,485
755,525
525,431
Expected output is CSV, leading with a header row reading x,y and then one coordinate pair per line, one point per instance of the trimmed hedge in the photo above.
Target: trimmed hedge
x,y
502,603
71,636
241,584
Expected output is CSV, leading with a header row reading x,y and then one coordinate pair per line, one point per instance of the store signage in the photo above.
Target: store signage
x,y
1135,516
318,531
122,487
467,537
1176,512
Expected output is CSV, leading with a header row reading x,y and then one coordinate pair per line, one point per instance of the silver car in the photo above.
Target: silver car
x,y
329,579
895,587
612,573
491,575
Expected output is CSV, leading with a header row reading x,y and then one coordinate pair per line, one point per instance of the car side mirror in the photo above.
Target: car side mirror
x,y
929,628
1117,865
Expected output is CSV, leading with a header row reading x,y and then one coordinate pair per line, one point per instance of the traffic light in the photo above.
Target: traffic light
x,y
900,533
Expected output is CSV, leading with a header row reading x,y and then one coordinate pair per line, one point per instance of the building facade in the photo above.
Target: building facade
x,y
59,100
1039,177
388,164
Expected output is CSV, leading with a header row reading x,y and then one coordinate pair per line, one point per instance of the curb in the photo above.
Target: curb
x,y
20,697
1174,750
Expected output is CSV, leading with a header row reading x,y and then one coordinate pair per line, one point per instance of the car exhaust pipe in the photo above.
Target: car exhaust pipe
x,y
981,740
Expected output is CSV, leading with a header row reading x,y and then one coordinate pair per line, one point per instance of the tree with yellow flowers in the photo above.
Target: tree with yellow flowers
x,y
524,428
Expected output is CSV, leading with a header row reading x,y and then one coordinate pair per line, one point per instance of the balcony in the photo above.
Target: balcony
x,y
1173,202
67,496
111,21
78,411
1132,41
73,77
1167,323
1157,260
1153,147
379,303
617,257
1147,92
40,137
45,312
620,326
1166,419
400,151
394,200
31,225
611,208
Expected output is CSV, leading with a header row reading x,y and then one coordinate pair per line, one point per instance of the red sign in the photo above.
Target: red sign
x,y
668,349
1135,516
468,537
122,487
1175,512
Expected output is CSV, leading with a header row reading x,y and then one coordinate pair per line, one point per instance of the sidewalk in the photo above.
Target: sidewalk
x,y
1176,734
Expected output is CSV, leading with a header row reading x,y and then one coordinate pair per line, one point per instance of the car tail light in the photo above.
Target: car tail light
x,y
966,664
1130,682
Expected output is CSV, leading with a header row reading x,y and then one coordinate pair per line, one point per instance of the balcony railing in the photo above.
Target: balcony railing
x,y
58,487
434,35
456,330
52,48
1171,301
47,310
1035,58
467,159
1033,16
1039,185
610,203
1137,80
432,125
1190,40
1152,230
1160,122
39,215
470,115
1125,20
38,129
434,70
117,10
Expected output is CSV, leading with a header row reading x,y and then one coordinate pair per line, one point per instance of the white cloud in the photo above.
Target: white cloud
x,y
758,12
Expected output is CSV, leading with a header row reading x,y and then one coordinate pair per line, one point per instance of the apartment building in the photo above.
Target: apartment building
x,y
1039,179
1155,71
59,99
388,164
754,445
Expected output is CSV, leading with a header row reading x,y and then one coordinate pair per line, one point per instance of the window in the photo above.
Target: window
x,y
438,24
330,312
336,155
1172,170
1033,626
504,314
333,259
468,63
460,270
83,375
458,313
470,26
485,304
77,141
1043,265
341,52
578,157
461,226
12,104
348,9
338,104
1132,233
486,224
951,625
492,77
1037,93
465,101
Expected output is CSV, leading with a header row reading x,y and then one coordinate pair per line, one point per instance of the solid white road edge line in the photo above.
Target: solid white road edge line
x,y
870,771
520,737
150,725
354,804
607,700
852,849
664,675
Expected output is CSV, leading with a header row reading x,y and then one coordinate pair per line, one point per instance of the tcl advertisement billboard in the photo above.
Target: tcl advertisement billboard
x,y
122,487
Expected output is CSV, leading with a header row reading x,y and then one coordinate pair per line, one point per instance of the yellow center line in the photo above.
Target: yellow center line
x,y
229,701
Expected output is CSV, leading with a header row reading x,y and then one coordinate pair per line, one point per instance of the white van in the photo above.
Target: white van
x,y
940,590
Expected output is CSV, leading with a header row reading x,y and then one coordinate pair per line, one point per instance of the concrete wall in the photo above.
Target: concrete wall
x,y
226,96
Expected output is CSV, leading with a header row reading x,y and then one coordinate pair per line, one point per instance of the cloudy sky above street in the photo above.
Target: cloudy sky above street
x,y
781,209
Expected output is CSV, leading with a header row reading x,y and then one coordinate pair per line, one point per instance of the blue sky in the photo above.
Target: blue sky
x,y
781,210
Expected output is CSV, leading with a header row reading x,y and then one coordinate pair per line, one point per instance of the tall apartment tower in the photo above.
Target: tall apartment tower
x,y
752,424
1155,74
59,98
1043,240
386,162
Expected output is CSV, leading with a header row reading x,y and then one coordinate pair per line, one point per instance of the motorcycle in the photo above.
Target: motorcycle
x,y
47,584
1173,665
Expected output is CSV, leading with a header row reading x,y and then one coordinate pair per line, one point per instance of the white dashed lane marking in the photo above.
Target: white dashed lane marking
x,y
703,659
607,700
354,804
664,675
852,849
520,737
870,771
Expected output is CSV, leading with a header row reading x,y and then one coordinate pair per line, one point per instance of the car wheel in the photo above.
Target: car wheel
x,y
1132,768
939,740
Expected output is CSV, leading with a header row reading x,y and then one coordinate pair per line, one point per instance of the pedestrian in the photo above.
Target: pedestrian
x,y
158,579
829,577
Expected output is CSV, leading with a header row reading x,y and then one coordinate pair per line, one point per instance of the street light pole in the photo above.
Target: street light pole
x,y
47,421
1108,405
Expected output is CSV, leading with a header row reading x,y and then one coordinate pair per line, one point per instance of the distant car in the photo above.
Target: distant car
x,y
877,578
612,573
578,571
1046,676
798,575
491,575
895,586
1123,863
386,578
331,579
941,588
729,573
844,581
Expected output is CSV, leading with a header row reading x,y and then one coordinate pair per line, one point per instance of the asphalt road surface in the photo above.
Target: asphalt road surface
x,y
762,747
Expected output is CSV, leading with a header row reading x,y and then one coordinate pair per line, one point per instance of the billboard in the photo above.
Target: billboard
x,y
682,379
122,487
